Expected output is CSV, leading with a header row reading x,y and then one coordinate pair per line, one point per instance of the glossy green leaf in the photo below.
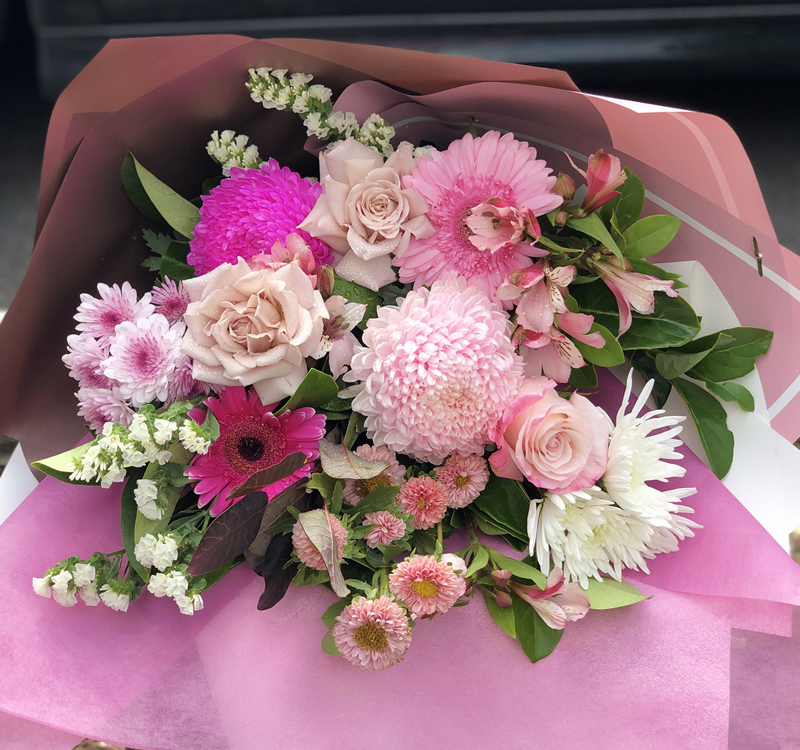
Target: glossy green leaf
x,y
627,207
518,568
733,392
479,562
60,466
505,504
353,292
329,615
645,364
381,498
673,363
503,616
611,594
355,427
536,639
323,484
316,389
610,355
710,419
584,378
735,358
650,235
329,645
128,512
593,226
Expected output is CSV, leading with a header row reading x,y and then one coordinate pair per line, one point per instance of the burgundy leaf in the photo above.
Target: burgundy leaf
x,y
270,567
271,474
294,495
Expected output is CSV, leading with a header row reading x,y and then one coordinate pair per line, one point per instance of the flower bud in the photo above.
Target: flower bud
x,y
502,599
561,219
501,577
565,187
325,280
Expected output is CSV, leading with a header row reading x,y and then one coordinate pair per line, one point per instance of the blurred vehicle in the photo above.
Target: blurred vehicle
x,y
700,38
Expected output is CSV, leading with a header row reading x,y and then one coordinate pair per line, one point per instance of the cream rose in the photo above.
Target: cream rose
x,y
364,213
556,444
253,327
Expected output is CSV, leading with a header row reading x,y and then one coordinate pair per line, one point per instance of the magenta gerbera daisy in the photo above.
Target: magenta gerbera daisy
x,y
100,317
424,499
247,213
372,633
252,438
171,300
428,586
469,173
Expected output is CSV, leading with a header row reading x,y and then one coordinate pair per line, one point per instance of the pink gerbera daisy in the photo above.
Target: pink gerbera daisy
x,y
469,173
388,528
84,358
427,586
100,317
464,478
424,499
252,438
100,405
372,633
247,213
171,300
306,550
355,490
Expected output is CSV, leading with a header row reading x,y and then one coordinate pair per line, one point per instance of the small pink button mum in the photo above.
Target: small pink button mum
x,y
309,555
424,499
427,586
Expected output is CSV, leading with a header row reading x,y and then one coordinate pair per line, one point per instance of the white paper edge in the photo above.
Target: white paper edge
x,y
16,483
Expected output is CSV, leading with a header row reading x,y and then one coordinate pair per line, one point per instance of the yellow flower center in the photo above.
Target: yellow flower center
x,y
421,504
461,482
371,636
363,487
427,589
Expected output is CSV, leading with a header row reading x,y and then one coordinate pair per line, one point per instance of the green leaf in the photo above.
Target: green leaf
x,y
381,498
536,639
650,235
505,504
479,562
673,363
353,292
316,389
503,616
609,356
734,358
338,404
323,484
611,594
593,226
320,534
486,526
355,427
519,568
584,377
144,526
60,467
626,208
329,615
175,269
337,498
710,419
128,513
733,392
158,243
179,213
645,364
329,646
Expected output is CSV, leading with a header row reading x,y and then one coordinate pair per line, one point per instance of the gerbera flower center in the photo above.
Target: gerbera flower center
x,y
250,444
428,589
371,636
250,448
460,481
363,487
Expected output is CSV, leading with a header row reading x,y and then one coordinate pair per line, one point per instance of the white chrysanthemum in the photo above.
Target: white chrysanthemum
x,y
636,456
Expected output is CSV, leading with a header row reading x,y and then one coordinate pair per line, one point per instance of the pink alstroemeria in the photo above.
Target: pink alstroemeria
x,y
632,289
603,176
552,353
539,291
296,248
559,603
337,339
497,224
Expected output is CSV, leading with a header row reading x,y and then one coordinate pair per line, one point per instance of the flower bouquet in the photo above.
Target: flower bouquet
x,y
369,372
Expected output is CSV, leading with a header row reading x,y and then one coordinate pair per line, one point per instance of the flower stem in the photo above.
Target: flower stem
x,y
472,529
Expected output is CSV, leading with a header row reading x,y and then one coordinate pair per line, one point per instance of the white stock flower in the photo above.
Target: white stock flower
x,y
84,574
146,496
165,552
61,581
65,598
191,439
42,586
89,595
188,605
157,585
116,601
176,584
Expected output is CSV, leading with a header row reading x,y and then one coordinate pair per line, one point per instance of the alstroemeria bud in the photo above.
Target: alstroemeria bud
x,y
325,280
501,577
561,219
502,599
603,176
565,187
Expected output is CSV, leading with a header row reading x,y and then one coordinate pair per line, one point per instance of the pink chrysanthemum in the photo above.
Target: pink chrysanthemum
x,y
171,300
372,633
437,372
464,478
100,317
453,182
143,357
355,490
182,385
424,499
100,405
309,555
247,213
388,528
84,358
426,586
252,438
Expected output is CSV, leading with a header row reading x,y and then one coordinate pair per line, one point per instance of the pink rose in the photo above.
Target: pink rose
x,y
556,444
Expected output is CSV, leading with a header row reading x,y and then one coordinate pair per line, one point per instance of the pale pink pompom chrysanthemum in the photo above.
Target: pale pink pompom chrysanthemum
x,y
309,555
372,633
171,300
437,372
464,478
388,528
143,357
355,490
427,586
247,213
424,499
84,358
453,182
100,405
100,317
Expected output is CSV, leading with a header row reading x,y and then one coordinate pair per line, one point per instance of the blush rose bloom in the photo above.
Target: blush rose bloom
x,y
253,327
556,444
364,213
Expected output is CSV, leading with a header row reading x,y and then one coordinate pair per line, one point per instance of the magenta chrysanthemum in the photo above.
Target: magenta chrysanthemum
x,y
247,213
252,438
355,490
143,357
424,499
426,586
100,405
453,182
437,372
171,300
464,478
309,555
372,633
100,317
84,358
388,528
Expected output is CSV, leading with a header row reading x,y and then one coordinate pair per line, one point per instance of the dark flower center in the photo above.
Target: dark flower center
x,y
251,444
250,448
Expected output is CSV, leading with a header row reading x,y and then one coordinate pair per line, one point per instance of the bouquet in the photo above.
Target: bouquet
x,y
390,372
